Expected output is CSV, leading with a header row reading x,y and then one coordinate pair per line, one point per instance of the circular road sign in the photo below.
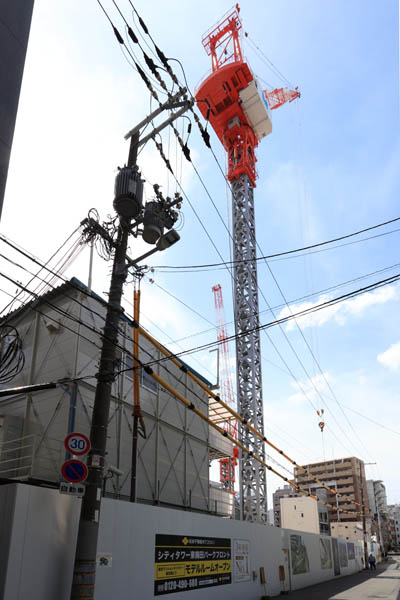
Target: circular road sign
x,y
74,470
77,444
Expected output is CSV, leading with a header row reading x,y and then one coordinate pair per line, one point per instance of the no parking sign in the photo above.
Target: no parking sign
x,y
74,471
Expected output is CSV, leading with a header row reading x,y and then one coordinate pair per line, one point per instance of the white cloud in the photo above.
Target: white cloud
x,y
313,388
391,357
338,312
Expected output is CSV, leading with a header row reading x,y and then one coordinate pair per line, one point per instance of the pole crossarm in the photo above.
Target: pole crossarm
x,y
172,102
187,104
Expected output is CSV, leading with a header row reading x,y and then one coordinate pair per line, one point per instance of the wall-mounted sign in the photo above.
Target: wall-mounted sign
x,y
73,489
241,560
104,559
184,562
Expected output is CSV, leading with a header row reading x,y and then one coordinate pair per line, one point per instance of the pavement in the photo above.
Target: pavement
x,y
383,583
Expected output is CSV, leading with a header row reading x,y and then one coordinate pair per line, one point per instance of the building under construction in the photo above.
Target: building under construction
x,y
61,337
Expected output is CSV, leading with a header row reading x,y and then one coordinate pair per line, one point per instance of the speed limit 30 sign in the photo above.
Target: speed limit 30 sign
x,y
77,444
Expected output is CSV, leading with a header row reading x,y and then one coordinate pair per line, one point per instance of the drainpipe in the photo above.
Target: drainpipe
x,y
31,375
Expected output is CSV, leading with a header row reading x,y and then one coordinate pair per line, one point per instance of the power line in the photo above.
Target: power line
x,y
142,364
307,311
296,300
287,252
184,148
372,420
76,320
242,421
280,326
3,237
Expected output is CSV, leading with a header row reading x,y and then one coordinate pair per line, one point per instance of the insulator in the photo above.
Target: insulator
x,y
128,193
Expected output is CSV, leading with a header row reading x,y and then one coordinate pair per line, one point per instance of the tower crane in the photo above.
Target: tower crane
x,y
240,114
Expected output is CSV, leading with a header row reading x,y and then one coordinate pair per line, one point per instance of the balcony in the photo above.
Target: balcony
x,y
32,457
222,502
219,446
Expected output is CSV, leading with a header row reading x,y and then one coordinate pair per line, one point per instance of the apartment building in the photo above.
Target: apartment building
x,y
347,476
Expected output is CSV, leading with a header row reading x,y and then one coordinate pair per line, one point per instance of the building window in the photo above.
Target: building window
x,y
128,366
147,381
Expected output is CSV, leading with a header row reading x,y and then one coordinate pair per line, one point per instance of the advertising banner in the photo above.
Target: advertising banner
x,y
184,563
325,553
241,560
343,553
350,551
335,552
298,550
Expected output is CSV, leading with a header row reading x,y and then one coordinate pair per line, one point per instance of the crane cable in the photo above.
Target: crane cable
x,y
191,375
225,434
235,414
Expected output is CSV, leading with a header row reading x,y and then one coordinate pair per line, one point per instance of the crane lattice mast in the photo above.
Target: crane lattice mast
x,y
240,115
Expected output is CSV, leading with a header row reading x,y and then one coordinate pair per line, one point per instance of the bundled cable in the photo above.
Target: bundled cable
x,y
12,358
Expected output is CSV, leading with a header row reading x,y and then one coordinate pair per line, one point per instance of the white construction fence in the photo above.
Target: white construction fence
x,y
146,551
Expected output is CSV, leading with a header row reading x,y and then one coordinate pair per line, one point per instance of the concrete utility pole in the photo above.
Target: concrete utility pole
x,y
155,216
364,519
86,549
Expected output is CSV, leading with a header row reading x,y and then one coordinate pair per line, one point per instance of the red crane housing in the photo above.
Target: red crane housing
x,y
230,98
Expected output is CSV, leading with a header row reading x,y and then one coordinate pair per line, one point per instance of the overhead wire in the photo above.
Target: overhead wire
x,y
31,292
288,252
183,148
240,419
181,143
295,300
3,237
215,207
79,321
147,368
302,313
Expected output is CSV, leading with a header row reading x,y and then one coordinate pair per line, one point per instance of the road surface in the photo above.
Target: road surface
x,y
383,583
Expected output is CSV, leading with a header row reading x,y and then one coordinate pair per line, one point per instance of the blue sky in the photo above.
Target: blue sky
x,y
330,167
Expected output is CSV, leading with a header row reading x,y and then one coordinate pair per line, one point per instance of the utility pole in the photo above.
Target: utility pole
x,y
379,523
363,513
86,548
153,218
